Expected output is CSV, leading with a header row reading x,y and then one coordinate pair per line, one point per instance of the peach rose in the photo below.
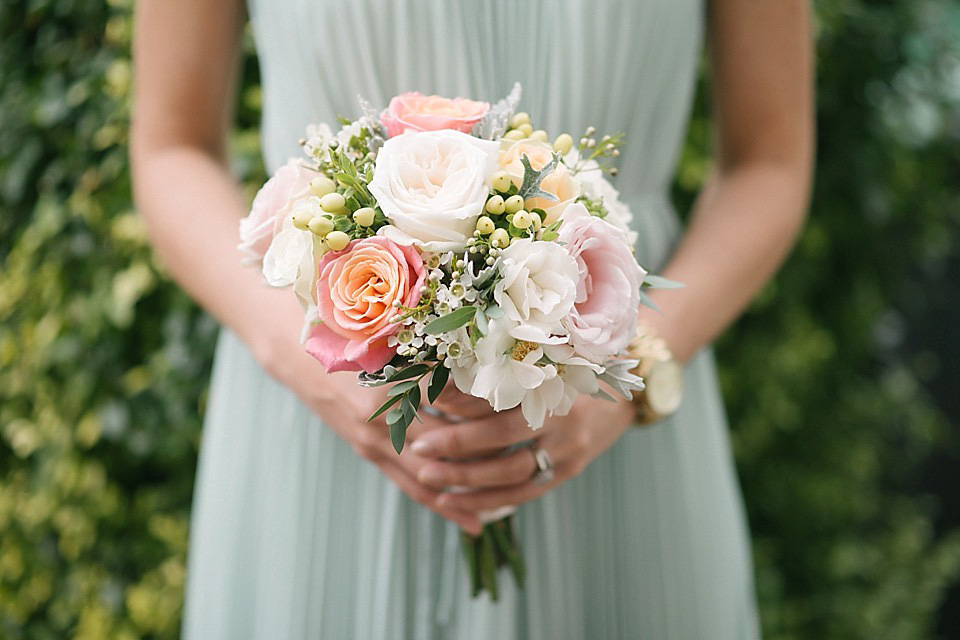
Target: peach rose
x,y
275,200
356,289
560,183
415,112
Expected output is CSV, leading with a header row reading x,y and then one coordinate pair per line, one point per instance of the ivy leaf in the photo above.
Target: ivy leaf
x,y
437,382
451,321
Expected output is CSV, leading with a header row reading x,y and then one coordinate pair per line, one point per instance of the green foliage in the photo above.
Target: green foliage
x,y
831,420
103,361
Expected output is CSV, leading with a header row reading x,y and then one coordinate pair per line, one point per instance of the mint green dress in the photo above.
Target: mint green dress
x,y
294,536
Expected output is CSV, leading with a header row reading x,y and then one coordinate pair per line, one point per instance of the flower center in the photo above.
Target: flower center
x,y
522,349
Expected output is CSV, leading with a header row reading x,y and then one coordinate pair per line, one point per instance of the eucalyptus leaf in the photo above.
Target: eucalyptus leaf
x,y
493,311
453,320
386,405
480,319
398,434
437,382
402,387
647,301
659,282
412,371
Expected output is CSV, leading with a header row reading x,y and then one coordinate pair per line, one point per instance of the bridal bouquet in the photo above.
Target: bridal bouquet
x,y
447,241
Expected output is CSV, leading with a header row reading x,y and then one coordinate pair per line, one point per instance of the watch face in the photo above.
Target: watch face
x,y
664,387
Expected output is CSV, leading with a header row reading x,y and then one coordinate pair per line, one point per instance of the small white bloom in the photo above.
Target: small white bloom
x,y
537,289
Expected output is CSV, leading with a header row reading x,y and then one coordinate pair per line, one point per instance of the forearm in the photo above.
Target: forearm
x,y
743,226
192,208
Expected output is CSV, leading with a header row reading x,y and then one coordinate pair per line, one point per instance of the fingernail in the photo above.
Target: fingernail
x,y
421,446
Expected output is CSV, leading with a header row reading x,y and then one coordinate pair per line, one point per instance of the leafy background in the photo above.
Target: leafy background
x,y
840,379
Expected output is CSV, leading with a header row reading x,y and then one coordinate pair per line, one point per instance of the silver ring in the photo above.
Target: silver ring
x,y
443,415
544,473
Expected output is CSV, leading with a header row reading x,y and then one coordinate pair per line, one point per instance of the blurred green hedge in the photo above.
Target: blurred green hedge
x,y
104,362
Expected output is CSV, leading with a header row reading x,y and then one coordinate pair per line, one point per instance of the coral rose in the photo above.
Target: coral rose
x,y
415,112
356,289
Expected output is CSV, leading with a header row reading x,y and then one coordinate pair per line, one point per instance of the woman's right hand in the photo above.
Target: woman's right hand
x,y
345,406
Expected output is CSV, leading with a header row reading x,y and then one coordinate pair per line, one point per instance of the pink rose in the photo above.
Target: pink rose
x,y
415,112
274,200
604,316
355,293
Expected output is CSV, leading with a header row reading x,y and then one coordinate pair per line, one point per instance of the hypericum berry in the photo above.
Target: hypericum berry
x,y
526,129
540,135
499,238
321,186
519,118
321,225
337,240
513,204
301,219
364,217
521,219
563,143
495,204
501,181
333,203
485,225
514,134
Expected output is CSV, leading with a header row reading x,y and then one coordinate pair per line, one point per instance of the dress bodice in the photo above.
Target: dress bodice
x,y
619,65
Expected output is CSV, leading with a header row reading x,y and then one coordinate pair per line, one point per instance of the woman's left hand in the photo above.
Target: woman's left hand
x,y
572,442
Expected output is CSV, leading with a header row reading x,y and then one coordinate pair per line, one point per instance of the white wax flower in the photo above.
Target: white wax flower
x,y
595,185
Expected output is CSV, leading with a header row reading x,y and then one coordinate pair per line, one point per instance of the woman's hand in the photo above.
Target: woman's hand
x,y
572,442
345,407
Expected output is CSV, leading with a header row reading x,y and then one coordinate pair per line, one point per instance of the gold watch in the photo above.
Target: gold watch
x,y
662,377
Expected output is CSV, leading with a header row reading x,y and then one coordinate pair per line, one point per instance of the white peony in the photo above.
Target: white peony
x,y
537,289
432,185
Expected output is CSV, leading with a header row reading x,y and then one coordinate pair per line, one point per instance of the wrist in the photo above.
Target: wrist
x,y
661,373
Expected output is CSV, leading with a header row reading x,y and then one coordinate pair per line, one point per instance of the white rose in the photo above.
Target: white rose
x,y
432,185
537,289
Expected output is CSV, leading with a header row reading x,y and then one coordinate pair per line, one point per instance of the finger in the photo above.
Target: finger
x,y
471,439
489,499
454,402
429,498
503,471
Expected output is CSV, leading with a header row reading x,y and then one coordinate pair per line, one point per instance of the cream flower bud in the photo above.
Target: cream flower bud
x,y
337,240
501,180
321,186
499,238
495,204
563,144
321,225
333,203
364,217
485,225
513,204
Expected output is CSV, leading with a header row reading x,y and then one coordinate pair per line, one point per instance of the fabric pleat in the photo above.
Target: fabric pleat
x,y
294,536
